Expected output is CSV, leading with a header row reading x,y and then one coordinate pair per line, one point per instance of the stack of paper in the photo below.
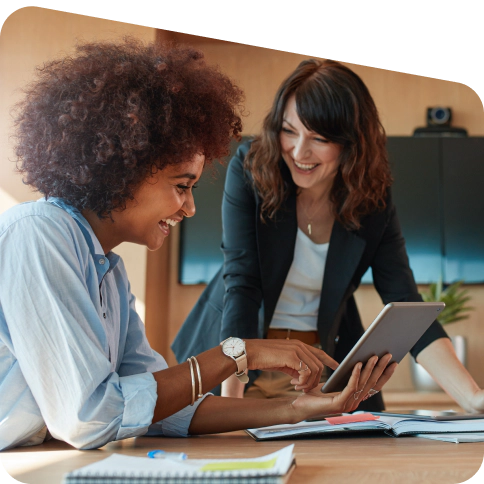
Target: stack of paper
x,y
395,426
455,437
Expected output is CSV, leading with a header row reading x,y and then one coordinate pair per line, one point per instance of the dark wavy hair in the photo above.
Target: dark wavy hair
x,y
92,127
334,102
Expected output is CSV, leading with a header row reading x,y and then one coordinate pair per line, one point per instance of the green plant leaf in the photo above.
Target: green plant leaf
x,y
455,298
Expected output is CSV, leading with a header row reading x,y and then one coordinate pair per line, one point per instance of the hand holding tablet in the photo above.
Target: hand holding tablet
x,y
394,332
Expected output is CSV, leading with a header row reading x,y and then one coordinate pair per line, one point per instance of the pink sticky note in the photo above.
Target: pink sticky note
x,y
359,417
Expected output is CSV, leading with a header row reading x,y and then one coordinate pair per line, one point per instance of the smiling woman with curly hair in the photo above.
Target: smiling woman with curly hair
x,y
115,137
94,126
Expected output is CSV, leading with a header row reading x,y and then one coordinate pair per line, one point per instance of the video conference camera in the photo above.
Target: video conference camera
x,y
438,124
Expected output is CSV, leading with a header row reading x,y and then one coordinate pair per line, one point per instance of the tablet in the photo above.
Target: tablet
x,y
395,330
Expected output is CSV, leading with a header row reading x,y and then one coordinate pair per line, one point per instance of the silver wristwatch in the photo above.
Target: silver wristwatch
x,y
235,348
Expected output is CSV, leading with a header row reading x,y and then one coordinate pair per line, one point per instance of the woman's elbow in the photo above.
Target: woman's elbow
x,y
86,436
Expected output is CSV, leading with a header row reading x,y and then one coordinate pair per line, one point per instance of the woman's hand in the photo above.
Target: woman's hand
x,y
303,362
374,375
476,402
381,372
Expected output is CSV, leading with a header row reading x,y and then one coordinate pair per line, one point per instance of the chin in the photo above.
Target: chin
x,y
154,246
302,182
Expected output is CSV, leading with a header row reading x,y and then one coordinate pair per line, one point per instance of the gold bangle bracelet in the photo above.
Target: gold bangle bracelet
x,y
199,375
192,374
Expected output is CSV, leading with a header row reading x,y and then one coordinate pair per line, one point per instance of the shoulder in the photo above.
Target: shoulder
x,y
375,222
389,212
34,209
37,219
383,213
243,149
236,172
389,200
237,161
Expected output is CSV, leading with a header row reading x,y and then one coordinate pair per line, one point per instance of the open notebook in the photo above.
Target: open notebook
x,y
395,426
124,469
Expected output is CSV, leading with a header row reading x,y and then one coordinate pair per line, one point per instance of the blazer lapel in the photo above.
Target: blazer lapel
x,y
344,254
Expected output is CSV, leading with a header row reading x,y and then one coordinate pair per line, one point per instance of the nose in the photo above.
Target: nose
x,y
301,149
189,205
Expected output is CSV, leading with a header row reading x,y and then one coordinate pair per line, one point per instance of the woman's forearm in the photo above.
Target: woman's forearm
x,y
174,385
221,414
440,360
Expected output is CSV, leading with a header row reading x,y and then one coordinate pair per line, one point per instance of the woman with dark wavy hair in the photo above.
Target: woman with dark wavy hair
x,y
307,210
114,138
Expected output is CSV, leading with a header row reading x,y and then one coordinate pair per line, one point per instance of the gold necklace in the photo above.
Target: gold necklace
x,y
310,218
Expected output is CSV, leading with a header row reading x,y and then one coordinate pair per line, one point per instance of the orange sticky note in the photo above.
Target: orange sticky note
x,y
359,417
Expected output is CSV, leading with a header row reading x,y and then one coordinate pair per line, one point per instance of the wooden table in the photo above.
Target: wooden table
x,y
349,459
405,401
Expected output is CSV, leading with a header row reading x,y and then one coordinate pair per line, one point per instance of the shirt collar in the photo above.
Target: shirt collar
x,y
104,262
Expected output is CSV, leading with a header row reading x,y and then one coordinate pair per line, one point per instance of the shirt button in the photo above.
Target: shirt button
x,y
336,339
101,261
104,315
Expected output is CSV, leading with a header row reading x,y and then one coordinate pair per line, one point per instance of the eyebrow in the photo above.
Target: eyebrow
x,y
190,176
284,120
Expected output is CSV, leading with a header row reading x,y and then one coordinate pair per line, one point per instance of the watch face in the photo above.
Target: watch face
x,y
234,347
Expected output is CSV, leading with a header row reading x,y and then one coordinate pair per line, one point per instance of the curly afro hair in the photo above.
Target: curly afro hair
x,y
92,127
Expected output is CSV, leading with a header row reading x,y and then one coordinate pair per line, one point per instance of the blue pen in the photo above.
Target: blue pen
x,y
161,454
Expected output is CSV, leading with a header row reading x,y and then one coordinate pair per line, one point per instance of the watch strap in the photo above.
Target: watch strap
x,y
243,377
241,363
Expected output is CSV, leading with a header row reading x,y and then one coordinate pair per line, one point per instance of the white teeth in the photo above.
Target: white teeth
x,y
169,221
303,166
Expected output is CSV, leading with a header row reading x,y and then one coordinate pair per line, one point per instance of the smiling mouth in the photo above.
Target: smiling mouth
x,y
169,221
306,166
164,225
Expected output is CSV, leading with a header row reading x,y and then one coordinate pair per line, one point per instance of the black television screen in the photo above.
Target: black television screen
x,y
201,235
463,209
439,199
417,196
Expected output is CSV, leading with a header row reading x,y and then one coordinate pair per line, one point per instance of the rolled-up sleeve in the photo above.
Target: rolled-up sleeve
x,y
139,396
176,425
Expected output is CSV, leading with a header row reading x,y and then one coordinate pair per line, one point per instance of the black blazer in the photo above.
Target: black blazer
x,y
241,298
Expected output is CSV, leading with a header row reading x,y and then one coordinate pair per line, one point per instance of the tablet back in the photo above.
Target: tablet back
x,y
395,330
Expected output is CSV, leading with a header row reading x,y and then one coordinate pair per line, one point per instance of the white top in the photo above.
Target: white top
x,y
298,303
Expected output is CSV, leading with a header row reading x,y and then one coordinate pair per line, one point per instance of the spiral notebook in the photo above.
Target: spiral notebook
x,y
124,469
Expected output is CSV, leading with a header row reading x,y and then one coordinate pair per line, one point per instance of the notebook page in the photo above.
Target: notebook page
x,y
277,463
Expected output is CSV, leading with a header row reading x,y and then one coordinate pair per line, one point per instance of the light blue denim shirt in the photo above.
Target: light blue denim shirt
x,y
74,358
